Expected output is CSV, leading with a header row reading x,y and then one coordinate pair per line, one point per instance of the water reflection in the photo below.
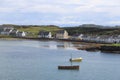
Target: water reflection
x,y
64,45
59,45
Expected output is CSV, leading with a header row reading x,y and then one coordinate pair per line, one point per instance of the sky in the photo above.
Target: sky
x,y
60,12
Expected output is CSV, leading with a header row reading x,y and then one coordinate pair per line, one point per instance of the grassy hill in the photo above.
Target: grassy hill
x,y
93,29
33,30
85,29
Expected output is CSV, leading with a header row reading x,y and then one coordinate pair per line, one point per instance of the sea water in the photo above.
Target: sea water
x,y
39,60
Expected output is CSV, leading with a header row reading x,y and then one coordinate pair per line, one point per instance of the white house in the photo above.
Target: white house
x,y
14,33
80,36
76,37
44,34
62,34
6,31
21,34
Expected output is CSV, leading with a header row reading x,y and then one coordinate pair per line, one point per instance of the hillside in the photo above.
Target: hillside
x,y
39,28
93,29
85,29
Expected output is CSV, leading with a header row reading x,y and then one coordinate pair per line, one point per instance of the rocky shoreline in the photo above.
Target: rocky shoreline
x,y
104,49
110,49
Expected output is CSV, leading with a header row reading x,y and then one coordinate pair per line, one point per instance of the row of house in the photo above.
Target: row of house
x,y
61,34
103,39
99,39
11,31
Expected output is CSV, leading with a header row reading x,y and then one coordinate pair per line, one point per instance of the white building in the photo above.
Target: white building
x,y
44,34
21,34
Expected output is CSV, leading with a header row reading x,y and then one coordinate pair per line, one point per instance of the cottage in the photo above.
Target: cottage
x,y
6,30
21,34
76,37
14,33
44,34
62,34
86,38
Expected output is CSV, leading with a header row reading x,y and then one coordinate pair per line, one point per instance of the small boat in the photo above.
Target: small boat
x,y
76,59
75,67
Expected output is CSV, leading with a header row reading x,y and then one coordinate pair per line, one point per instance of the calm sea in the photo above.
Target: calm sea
x,y
38,60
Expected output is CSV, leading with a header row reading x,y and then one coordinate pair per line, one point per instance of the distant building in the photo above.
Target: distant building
x,y
14,32
62,34
77,37
6,30
44,34
102,38
21,34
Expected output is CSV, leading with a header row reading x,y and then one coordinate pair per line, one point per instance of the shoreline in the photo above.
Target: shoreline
x,y
10,39
88,46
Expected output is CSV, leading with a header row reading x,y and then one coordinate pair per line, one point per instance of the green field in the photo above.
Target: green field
x,y
116,44
33,31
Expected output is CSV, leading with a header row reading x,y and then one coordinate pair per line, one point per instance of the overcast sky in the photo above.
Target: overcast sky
x,y
60,12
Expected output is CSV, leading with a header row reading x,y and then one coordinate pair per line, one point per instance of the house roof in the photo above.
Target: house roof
x,y
43,33
14,31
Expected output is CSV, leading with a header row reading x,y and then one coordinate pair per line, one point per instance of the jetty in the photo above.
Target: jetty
x,y
75,67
